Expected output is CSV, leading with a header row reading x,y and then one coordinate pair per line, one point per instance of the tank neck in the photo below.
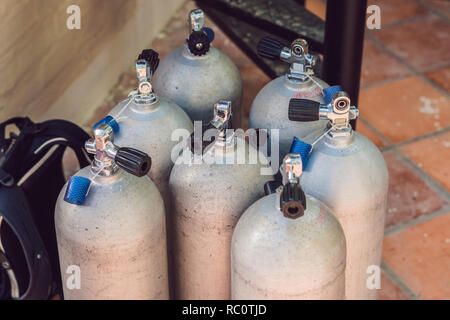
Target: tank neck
x,y
224,143
298,74
103,178
188,55
143,104
295,83
104,168
339,139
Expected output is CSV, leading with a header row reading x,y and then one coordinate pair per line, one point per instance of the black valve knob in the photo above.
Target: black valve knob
x,y
271,187
133,161
292,201
269,48
303,110
152,57
198,43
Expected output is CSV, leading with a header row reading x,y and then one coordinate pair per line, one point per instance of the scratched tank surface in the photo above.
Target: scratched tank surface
x,y
208,200
275,257
117,239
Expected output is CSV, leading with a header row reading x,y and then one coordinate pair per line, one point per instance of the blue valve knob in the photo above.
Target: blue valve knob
x,y
77,189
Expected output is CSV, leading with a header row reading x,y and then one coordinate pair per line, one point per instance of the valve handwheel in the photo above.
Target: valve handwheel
x,y
152,57
198,43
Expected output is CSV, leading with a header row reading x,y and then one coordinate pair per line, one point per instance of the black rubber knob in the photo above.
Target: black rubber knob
x,y
303,110
292,201
269,48
271,187
133,161
152,57
198,43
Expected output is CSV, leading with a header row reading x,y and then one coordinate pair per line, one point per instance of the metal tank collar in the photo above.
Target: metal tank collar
x,y
188,55
339,138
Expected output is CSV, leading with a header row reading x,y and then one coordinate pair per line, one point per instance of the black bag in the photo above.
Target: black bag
x,y
31,177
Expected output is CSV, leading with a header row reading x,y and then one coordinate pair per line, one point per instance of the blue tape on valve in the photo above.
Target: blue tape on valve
x,y
109,120
302,148
77,189
329,92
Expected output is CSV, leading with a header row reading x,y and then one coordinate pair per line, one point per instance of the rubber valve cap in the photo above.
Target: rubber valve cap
x,y
133,161
198,43
77,190
303,110
292,201
152,57
269,48
109,120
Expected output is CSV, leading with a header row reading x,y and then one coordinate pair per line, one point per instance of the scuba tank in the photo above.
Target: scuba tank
x,y
197,75
112,244
146,122
288,245
210,191
347,172
269,109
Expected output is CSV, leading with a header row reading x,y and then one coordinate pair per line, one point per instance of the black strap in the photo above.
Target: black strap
x,y
15,211
6,180
20,158
75,136
17,145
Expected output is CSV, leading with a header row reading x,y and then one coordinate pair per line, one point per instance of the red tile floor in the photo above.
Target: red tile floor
x,y
405,111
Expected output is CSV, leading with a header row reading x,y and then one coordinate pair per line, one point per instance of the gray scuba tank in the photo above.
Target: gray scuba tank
x,y
197,75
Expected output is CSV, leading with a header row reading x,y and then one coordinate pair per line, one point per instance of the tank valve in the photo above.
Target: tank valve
x,y
297,55
339,111
200,37
221,122
109,157
222,116
292,197
146,65
107,160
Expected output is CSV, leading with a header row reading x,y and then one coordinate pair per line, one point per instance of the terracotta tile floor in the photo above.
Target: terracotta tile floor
x,y
405,111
